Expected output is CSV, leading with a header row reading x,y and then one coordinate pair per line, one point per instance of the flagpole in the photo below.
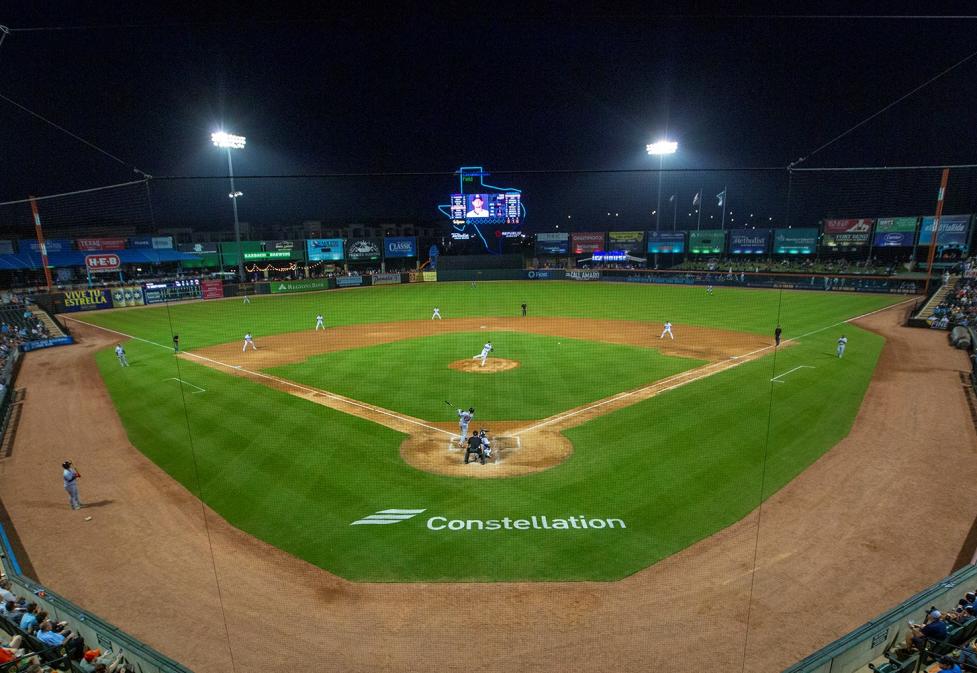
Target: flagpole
x,y
698,225
724,208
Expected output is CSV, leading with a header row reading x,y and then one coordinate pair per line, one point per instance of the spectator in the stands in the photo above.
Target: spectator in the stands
x,y
28,622
49,634
935,629
5,593
967,657
947,664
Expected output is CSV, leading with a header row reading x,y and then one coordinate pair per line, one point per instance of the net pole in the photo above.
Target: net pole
x,y
936,228
40,242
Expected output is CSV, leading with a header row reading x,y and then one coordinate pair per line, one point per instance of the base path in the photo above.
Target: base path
x,y
153,552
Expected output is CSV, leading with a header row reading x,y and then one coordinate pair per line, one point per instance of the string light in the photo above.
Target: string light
x,y
254,267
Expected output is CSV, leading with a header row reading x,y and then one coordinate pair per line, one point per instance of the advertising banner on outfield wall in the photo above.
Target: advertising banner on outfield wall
x,y
154,242
198,248
400,246
749,241
953,231
430,276
386,278
586,241
707,241
283,287
211,289
583,275
87,300
666,242
628,241
895,232
364,250
319,249
130,295
553,243
795,241
349,281
51,244
847,233
96,244
46,343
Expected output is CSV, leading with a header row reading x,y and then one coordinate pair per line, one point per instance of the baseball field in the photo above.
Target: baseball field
x,y
613,448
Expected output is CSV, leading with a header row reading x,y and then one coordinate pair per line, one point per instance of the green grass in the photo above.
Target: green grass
x,y
676,468
555,374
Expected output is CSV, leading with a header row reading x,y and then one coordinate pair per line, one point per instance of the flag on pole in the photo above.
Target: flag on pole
x,y
695,199
721,197
671,199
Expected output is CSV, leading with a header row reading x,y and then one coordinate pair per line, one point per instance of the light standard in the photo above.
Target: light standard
x,y
228,142
660,148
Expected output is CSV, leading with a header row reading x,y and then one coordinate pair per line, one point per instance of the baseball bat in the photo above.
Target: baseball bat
x,y
449,404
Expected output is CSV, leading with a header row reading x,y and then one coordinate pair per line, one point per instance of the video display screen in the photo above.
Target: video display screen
x,y
502,208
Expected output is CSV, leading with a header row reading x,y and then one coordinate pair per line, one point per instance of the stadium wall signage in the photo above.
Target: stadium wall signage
x,y
101,263
386,517
46,343
400,246
298,286
95,244
130,295
386,278
87,300
349,281
546,274
583,275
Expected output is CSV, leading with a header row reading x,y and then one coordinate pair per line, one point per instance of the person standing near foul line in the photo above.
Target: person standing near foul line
x,y
71,477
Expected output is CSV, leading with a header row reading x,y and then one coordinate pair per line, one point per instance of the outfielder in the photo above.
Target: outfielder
x,y
318,323
842,342
71,477
437,313
248,341
247,299
120,353
668,331
464,418
486,349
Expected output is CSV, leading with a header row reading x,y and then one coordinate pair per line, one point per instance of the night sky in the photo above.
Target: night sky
x,y
481,85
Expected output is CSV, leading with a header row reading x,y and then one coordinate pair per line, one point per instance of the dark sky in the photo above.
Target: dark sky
x,y
512,90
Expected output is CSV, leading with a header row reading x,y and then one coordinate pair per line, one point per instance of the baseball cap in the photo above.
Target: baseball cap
x,y
936,614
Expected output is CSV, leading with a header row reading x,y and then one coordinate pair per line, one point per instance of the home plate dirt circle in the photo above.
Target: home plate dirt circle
x,y
492,365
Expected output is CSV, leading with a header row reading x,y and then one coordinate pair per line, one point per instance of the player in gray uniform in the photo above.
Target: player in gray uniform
x,y
71,477
464,418
842,342
120,353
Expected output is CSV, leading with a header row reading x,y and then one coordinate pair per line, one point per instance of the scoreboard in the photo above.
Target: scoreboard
x,y
172,290
495,208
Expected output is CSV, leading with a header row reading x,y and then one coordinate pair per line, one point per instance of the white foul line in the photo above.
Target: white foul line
x,y
789,371
285,382
199,389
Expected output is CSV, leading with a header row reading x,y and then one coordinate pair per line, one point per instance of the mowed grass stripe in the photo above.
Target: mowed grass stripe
x,y
413,376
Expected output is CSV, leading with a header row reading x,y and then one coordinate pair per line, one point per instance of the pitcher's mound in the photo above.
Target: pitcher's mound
x,y
492,365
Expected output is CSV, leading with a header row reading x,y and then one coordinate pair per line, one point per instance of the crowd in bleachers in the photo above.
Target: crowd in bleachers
x,y
31,642
943,638
959,306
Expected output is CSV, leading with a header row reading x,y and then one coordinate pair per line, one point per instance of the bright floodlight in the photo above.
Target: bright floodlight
x,y
222,139
662,147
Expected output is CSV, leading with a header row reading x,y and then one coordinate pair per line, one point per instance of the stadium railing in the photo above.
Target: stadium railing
x,y
868,643
96,631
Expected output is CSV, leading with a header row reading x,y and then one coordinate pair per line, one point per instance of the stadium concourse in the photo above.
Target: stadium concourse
x,y
147,562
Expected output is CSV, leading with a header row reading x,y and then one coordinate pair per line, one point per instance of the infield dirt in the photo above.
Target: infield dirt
x,y
831,551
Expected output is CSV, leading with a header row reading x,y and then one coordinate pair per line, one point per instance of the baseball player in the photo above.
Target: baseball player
x,y
437,313
842,342
776,334
486,349
486,444
176,343
71,477
248,341
668,331
475,446
120,353
247,299
709,290
464,418
319,323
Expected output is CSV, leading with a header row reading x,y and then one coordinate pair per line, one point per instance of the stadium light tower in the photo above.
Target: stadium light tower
x,y
660,148
229,141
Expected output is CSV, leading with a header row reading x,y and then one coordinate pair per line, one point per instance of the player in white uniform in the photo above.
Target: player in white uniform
x,y
318,323
247,299
248,341
464,418
842,342
486,349
437,313
668,331
709,289
486,444
120,353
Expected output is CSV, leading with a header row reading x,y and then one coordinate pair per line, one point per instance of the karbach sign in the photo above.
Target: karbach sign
x,y
105,262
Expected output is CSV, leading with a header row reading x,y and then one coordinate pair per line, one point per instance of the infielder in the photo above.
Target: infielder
x,y
464,418
120,353
319,323
486,349
71,477
437,313
842,342
668,331
248,341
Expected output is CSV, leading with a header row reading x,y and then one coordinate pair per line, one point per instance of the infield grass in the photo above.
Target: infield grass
x,y
675,468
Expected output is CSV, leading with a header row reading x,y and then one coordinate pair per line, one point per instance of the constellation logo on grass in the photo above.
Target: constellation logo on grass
x,y
385,516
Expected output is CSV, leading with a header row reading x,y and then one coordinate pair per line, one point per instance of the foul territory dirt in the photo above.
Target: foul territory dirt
x,y
833,548
520,447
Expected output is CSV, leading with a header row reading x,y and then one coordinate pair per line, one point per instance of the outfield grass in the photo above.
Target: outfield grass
x,y
555,374
675,468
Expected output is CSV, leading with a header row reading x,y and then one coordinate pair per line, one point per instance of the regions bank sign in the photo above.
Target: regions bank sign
x,y
534,522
